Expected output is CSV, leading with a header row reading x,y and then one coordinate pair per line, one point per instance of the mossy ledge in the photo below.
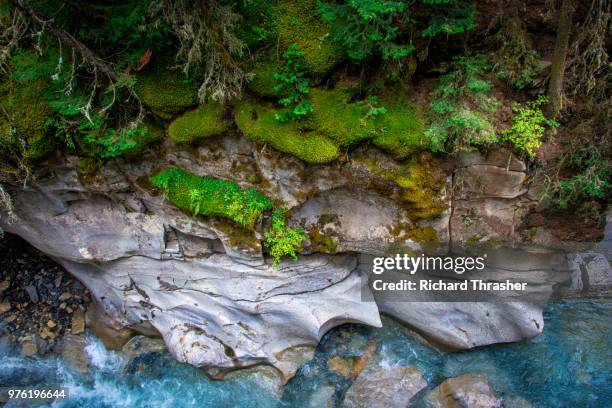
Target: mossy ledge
x,y
205,121
257,122
213,197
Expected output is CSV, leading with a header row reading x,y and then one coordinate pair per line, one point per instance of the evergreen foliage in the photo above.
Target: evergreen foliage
x,y
460,106
294,82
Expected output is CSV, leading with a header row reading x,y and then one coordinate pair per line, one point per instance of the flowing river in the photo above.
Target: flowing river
x,y
567,366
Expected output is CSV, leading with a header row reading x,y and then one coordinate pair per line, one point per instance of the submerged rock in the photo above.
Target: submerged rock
x,y
465,391
384,387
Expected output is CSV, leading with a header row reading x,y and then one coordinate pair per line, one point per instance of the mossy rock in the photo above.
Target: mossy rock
x,y
263,82
206,120
425,235
166,92
300,22
212,197
257,122
420,179
399,131
29,110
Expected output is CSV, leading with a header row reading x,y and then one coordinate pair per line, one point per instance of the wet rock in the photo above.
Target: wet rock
x,y
29,347
72,350
386,387
339,366
51,324
141,345
465,391
32,293
113,335
516,402
78,322
4,307
322,397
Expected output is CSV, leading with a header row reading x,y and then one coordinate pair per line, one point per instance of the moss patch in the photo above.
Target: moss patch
x,y
425,235
29,111
166,92
299,22
204,121
321,242
420,180
257,122
263,82
143,140
212,197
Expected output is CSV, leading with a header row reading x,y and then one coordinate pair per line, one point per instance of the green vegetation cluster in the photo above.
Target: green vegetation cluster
x,y
208,196
461,107
295,84
528,126
282,240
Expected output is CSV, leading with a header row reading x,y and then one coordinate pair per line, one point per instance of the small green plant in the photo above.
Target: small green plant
x,y
282,240
294,82
212,197
114,143
460,107
374,108
528,126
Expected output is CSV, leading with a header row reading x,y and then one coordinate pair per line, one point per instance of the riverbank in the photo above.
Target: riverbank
x,y
564,366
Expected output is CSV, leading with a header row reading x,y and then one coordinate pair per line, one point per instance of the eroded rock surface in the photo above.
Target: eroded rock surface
x,y
465,391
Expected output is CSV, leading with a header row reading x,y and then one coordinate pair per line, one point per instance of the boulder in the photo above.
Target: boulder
x,y
384,387
465,391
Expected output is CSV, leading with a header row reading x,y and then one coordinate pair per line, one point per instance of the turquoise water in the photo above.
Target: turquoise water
x,y
569,365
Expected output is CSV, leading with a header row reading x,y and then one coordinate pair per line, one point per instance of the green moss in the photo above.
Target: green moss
x,y
166,92
401,128
299,22
321,242
473,240
257,122
399,131
29,110
425,235
212,197
263,82
204,121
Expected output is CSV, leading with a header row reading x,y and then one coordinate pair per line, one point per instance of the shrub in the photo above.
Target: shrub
x,y
293,81
460,107
204,121
282,240
528,126
592,180
212,197
369,28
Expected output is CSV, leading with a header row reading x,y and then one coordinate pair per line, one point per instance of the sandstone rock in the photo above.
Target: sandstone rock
x,y
465,391
384,387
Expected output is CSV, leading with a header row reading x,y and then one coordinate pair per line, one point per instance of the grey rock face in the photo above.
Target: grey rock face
x,y
384,387
465,391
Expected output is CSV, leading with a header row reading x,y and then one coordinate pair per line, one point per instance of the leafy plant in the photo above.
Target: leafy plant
x,y
460,107
374,109
294,82
528,126
282,240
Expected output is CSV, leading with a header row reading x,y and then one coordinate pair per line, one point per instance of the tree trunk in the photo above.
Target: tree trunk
x,y
555,86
